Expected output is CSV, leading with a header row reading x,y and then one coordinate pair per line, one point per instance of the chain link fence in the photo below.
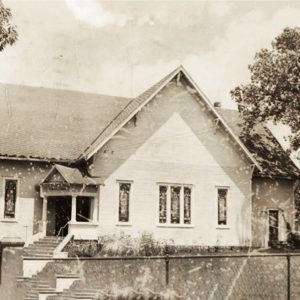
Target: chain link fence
x,y
221,277
243,276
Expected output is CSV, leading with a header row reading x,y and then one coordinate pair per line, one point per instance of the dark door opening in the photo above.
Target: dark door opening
x,y
58,215
273,226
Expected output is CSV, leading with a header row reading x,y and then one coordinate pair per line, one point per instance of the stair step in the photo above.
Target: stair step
x,y
51,238
67,276
37,256
42,246
38,251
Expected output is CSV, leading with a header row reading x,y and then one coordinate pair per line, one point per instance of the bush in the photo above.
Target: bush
x,y
144,245
294,240
82,248
137,294
125,245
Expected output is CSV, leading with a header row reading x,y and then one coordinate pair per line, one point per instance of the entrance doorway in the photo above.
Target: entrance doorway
x,y
273,226
58,215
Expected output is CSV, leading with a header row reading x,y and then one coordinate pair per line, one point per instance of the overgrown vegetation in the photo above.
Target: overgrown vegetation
x,y
82,248
137,294
120,245
144,245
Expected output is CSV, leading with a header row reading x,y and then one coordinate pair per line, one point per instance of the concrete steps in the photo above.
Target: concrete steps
x,y
44,285
83,294
43,248
35,286
38,287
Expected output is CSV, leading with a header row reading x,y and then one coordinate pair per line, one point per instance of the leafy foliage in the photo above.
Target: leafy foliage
x,y
8,32
125,245
274,91
138,294
143,245
82,248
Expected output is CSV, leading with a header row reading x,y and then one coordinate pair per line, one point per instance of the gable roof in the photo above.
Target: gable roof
x,y
266,149
50,124
59,125
70,175
138,103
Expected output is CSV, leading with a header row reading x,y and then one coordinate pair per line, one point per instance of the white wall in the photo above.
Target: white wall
x,y
28,203
174,141
20,228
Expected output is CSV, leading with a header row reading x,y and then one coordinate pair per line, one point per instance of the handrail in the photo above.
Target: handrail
x,y
62,228
80,215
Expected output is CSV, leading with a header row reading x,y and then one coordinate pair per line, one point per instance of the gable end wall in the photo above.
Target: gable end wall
x,y
174,139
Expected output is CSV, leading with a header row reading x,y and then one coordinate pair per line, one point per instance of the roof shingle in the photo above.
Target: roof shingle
x,y
52,124
266,149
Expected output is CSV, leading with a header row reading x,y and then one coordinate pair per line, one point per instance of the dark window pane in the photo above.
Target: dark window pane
x,y
187,205
10,198
175,204
124,193
222,206
163,204
83,209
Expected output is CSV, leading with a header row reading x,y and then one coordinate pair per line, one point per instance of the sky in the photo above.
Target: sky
x,y
123,47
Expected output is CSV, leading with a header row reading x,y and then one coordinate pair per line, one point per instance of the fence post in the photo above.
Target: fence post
x,y
288,256
167,260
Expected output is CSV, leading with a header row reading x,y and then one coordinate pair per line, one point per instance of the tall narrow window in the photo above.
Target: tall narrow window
x,y
163,204
187,205
124,195
222,206
10,198
175,204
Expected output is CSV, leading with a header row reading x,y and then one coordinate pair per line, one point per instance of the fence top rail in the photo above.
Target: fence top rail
x,y
169,257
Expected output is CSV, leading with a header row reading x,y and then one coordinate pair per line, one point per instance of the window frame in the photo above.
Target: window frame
x,y
118,222
88,219
15,218
227,225
181,223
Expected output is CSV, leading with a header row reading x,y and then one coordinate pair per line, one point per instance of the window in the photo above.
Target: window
x,y
10,198
222,206
124,195
83,209
163,204
187,205
174,204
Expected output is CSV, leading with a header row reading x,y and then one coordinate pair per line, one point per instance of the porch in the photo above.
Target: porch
x,y
70,204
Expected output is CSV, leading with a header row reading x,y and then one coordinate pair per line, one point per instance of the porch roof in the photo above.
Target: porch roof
x,y
73,176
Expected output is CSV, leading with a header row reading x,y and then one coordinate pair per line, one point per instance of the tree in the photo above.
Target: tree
x,y
8,32
274,91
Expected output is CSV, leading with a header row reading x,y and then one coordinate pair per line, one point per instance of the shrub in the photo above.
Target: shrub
x,y
293,240
82,248
125,245
137,294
